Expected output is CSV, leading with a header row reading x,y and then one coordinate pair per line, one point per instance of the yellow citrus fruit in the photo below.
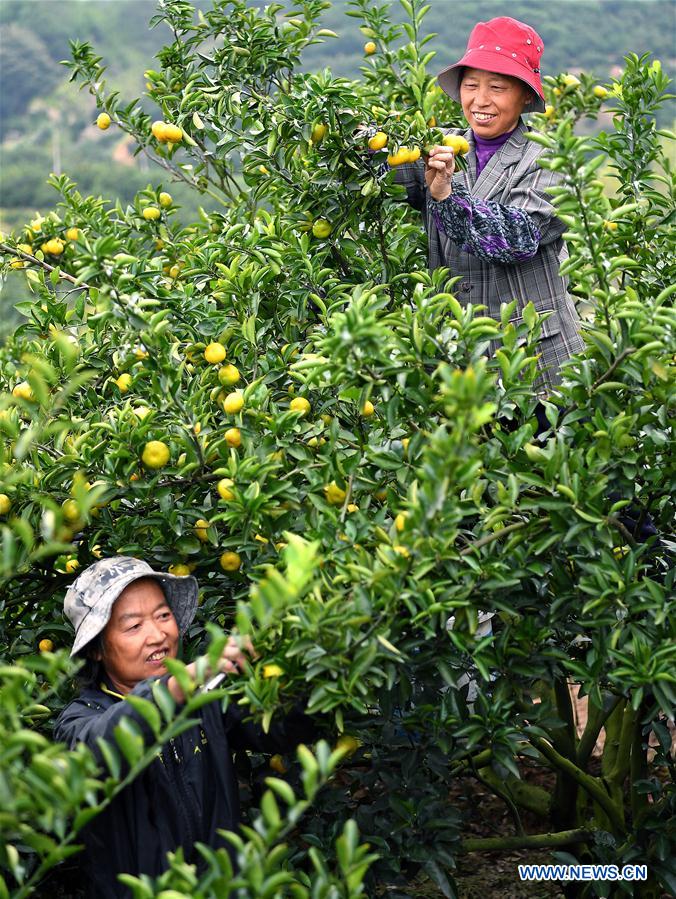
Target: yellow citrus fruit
x,y
600,91
179,569
159,244
549,112
277,764
233,437
401,550
200,530
73,234
21,263
368,409
172,133
398,158
224,490
378,141
352,507
369,48
432,122
215,353
348,744
233,403
334,494
45,645
124,382
230,561
414,154
23,391
155,454
321,228
5,504
54,246
72,566
159,131
165,199
610,226
71,510
151,213
571,80
319,132
300,404
174,271
103,121
272,670
228,375
400,521
457,143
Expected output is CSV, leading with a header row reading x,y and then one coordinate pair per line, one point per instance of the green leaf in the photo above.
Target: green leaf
x,y
147,711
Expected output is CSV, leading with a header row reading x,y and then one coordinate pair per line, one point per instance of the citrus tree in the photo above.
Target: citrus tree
x,y
281,399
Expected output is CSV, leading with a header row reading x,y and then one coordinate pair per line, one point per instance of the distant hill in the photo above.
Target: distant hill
x,y
46,124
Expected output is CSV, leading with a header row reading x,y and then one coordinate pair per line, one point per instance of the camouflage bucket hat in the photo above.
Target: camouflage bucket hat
x,y
89,600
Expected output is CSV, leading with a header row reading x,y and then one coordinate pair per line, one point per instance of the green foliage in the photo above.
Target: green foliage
x,y
263,866
370,544
50,793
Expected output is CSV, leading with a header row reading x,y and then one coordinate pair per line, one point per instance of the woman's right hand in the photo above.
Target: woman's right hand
x,y
439,168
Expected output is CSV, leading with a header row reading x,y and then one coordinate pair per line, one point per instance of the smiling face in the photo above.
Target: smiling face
x,y
141,633
492,103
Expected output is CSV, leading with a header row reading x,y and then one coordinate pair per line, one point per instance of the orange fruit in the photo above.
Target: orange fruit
x,y
230,561
457,143
233,437
378,141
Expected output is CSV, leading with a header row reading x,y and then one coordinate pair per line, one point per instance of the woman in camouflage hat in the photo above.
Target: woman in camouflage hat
x,y
128,620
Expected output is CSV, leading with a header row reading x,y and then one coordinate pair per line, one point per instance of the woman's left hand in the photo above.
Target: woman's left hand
x,y
439,168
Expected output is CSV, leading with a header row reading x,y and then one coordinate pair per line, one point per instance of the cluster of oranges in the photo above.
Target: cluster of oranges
x,y
410,154
166,133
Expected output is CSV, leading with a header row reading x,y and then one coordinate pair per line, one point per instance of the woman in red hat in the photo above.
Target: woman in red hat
x,y
494,224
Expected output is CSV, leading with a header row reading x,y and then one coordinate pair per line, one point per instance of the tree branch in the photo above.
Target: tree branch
x,y
13,251
532,841
489,538
588,783
596,718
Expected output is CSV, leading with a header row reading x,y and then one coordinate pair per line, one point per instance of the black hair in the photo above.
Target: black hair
x,y
92,672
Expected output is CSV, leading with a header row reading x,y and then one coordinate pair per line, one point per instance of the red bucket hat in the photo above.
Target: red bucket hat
x,y
503,45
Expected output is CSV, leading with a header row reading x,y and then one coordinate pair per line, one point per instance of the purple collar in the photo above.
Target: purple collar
x,y
486,147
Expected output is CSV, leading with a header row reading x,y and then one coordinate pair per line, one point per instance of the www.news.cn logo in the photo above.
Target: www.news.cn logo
x,y
583,872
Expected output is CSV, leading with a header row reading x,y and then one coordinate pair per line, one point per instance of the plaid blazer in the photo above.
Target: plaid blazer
x,y
511,177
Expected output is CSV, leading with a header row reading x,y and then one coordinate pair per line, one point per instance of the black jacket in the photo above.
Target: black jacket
x,y
187,794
